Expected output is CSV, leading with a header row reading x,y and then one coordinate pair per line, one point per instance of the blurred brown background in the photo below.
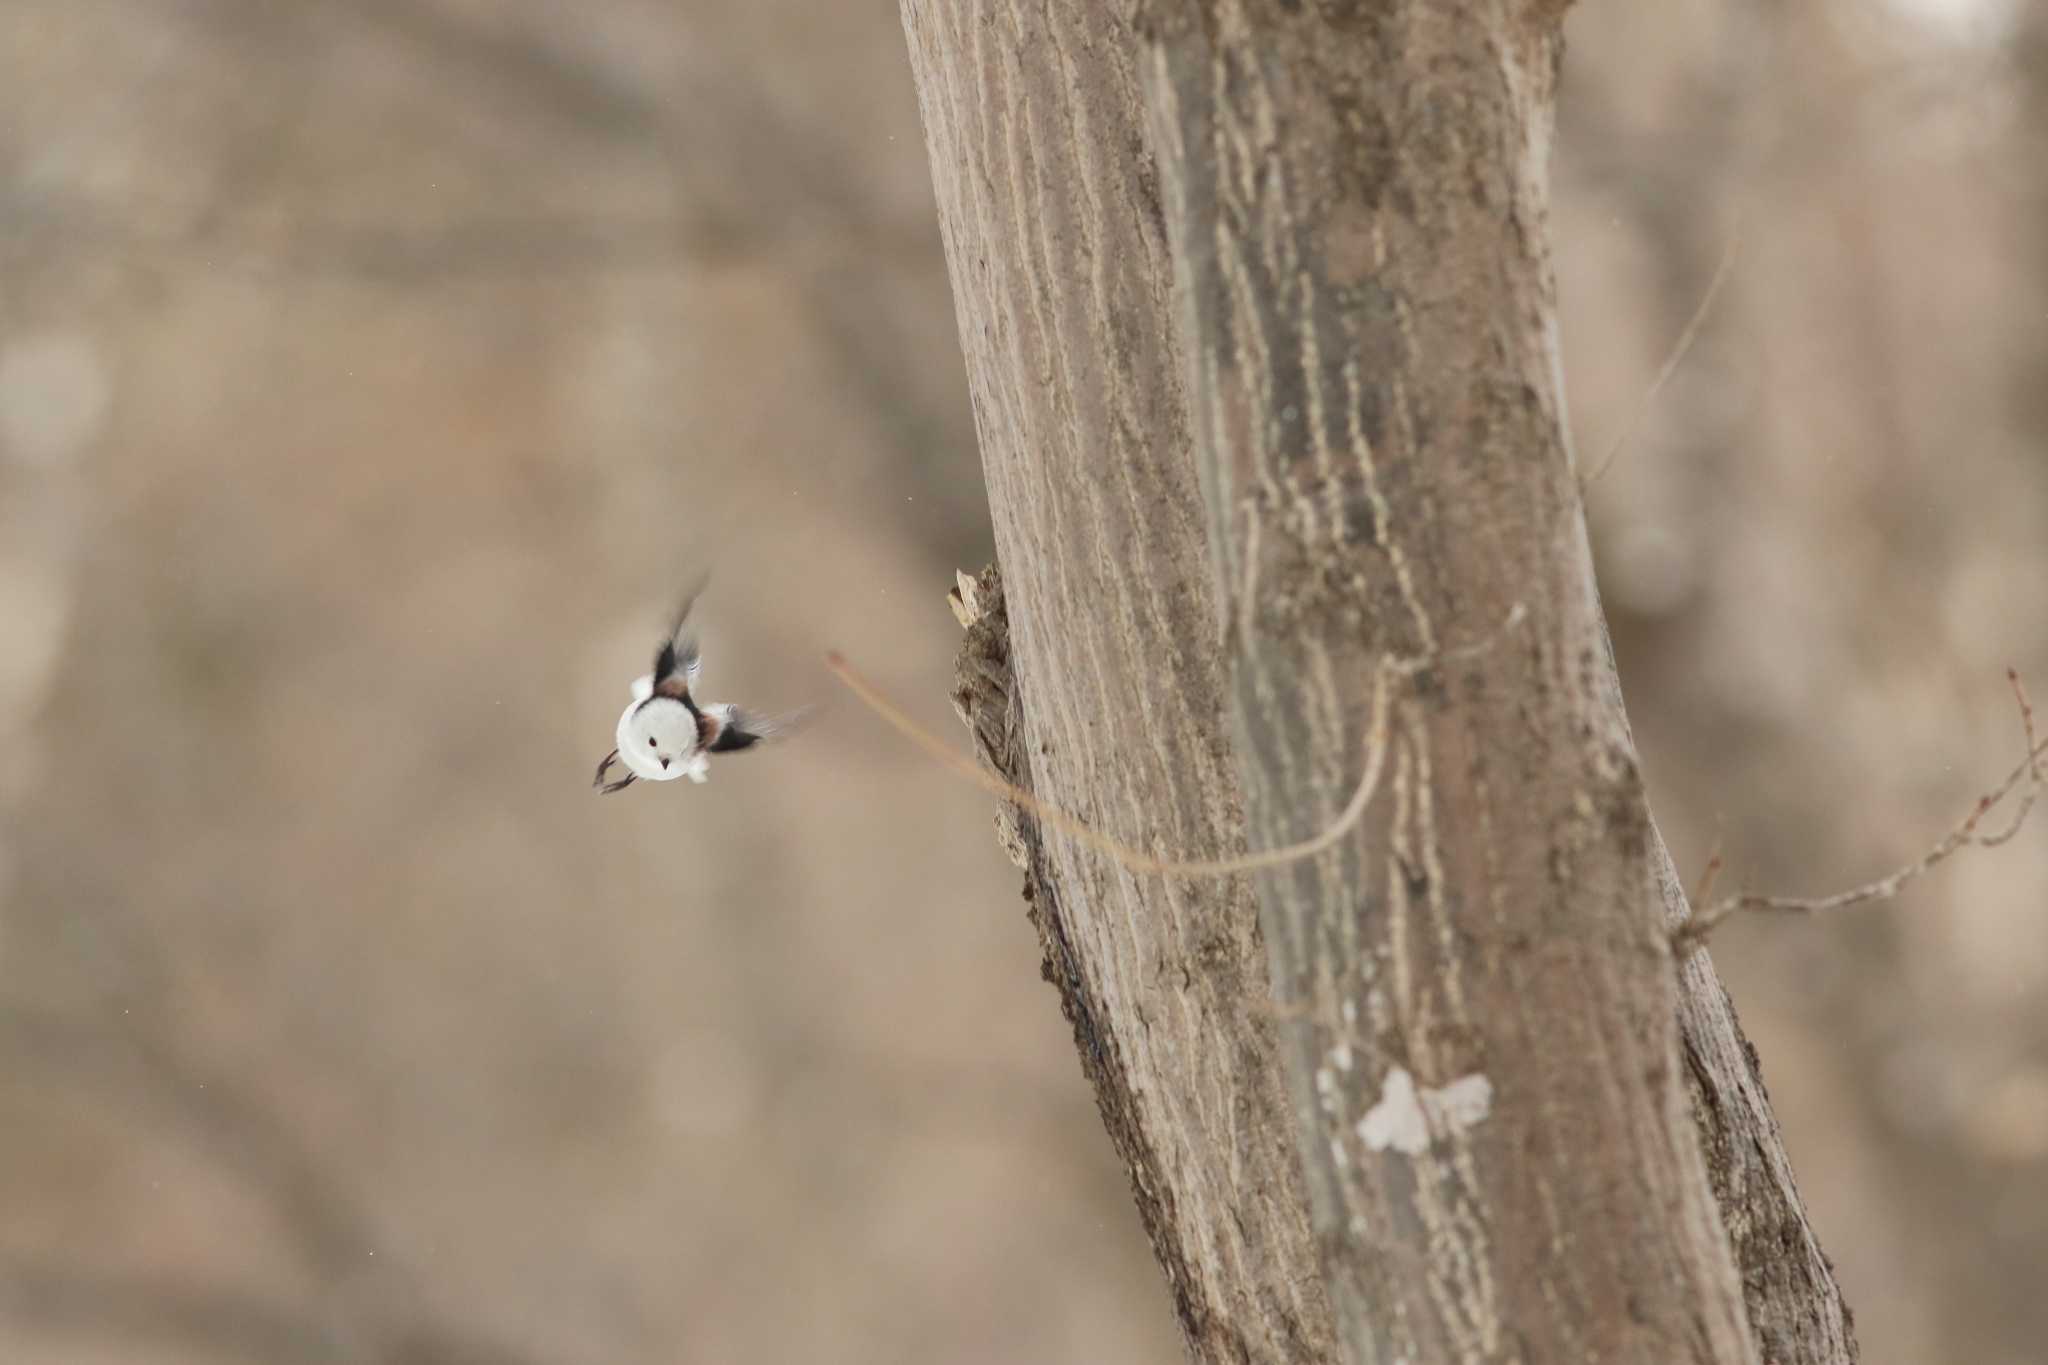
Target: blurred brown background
x,y
373,371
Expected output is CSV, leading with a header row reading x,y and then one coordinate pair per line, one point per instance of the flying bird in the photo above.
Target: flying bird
x,y
665,732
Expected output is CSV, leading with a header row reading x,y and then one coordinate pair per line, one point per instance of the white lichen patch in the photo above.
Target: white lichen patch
x,y
1461,1104
1397,1121
1341,1055
1406,1118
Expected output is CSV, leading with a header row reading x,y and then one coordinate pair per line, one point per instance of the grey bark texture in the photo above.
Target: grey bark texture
x,y
1260,334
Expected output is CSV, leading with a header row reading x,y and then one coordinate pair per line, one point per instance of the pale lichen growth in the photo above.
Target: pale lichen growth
x,y
1406,1117
1462,1104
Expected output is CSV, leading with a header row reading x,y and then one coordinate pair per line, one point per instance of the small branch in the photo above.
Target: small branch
x,y
1679,350
2019,690
1704,920
1123,854
1707,875
1376,745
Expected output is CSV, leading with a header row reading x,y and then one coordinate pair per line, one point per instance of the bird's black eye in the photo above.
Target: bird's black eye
x,y
650,741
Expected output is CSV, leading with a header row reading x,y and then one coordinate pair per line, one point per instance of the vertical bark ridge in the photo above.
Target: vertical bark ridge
x,y
1055,224
1484,1016
1058,261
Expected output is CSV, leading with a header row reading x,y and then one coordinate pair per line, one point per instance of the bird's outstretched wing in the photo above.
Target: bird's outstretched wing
x,y
725,729
678,661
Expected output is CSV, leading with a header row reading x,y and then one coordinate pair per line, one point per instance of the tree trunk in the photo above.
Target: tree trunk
x,y
1259,327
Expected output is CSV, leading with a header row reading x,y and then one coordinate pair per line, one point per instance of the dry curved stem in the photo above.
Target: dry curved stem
x,y
1715,862
2019,690
1377,741
1704,920
1123,854
1679,350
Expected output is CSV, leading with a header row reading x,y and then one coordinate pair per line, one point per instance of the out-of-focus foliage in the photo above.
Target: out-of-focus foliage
x,y
373,371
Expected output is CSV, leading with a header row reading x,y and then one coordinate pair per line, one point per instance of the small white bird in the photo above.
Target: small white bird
x,y
665,733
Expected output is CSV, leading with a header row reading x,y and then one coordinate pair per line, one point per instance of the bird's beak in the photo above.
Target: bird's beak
x,y
664,765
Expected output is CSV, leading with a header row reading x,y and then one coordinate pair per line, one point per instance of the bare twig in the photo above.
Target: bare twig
x,y
1707,874
1964,835
1124,854
1376,743
2019,690
1679,350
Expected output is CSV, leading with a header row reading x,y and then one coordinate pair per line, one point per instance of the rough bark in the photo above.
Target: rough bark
x,y
1243,1283
1059,269
1360,359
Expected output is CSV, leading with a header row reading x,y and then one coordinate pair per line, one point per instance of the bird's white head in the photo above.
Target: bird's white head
x,y
658,739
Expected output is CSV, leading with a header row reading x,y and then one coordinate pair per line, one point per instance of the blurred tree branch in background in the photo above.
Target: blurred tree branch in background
x,y
158,1313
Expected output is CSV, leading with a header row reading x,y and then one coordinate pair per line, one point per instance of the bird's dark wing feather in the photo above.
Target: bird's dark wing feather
x,y
728,729
675,667
677,661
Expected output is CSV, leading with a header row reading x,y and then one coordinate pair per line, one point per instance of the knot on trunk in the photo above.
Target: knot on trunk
x,y
985,694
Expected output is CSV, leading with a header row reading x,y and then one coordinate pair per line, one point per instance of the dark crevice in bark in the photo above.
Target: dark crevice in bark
x,y
988,701
1782,1263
